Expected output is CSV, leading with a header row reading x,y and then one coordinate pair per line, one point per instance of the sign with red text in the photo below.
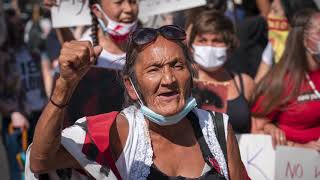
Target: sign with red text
x,y
69,13
297,163
155,7
263,162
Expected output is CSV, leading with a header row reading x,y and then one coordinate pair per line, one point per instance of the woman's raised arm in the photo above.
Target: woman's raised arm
x,y
47,153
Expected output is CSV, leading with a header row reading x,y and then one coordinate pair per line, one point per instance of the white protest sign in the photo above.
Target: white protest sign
x,y
285,163
71,13
258,156
155,7
297,163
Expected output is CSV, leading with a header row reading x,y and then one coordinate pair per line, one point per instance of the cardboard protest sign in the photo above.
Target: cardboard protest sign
x,y
71,13
258,156
285,163
297,163
155,7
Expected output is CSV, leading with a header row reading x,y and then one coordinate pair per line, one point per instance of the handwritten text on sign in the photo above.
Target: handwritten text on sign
x,y
258,156
285,163
297,163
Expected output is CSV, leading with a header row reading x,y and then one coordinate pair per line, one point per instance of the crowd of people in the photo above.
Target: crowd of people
x,y
156,98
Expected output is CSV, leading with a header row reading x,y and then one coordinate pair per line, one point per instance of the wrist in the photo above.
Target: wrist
x,y
62,93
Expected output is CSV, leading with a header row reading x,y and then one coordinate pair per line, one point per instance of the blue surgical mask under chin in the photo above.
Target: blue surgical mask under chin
x,y
169,120
165,120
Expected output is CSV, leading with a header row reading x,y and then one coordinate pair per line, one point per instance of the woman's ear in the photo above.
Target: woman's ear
x,y
96,9
130,89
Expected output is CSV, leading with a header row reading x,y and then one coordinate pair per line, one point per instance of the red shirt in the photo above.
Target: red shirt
x,y
300,117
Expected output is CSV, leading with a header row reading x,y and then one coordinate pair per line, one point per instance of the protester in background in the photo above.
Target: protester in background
x,y
4,170
286,102
212,40
253,37
263,6
279,19
36,32
149,139
22,91
112,21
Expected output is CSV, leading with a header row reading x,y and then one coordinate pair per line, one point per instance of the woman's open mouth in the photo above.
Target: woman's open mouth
x,y
169,96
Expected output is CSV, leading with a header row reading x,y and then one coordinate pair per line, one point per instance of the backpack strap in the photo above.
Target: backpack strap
x,y
206,153
218,123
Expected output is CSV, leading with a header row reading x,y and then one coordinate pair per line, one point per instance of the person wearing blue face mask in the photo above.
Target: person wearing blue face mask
x,y
160,133
212,39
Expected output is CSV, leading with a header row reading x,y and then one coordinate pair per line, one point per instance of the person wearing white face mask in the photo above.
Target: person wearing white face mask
x,y
212,39
112,22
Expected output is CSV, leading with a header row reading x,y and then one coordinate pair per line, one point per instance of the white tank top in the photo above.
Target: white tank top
x,y
137,156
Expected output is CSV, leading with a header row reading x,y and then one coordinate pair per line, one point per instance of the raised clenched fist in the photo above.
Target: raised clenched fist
x,y
76,58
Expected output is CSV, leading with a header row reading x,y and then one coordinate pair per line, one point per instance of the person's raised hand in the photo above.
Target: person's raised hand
x,y
19,121
76,58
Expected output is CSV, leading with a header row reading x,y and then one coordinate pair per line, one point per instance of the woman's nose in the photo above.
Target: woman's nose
x,y
127,7
168,76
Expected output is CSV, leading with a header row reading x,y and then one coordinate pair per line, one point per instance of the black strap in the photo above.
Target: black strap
x,y
241,83
241,88
206,153
220,133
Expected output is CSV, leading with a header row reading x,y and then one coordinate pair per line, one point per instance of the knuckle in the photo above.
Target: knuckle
x,y
87,43
66,45
82,48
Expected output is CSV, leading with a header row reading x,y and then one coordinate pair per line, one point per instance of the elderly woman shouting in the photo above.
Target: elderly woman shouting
x,y
159,135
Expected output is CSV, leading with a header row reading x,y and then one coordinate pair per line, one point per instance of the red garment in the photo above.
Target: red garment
x,y
300,117
98,129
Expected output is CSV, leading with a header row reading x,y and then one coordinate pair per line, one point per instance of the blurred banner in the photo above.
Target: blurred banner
x,y
264,163
318,3
155,7
71,13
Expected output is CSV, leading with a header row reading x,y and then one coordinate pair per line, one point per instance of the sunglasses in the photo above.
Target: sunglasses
x,y
145,36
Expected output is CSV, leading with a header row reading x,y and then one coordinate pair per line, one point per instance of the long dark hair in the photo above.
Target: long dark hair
x,y
94,26
289,73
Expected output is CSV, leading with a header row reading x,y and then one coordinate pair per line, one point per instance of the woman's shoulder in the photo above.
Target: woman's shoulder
x,y
206,115
247,82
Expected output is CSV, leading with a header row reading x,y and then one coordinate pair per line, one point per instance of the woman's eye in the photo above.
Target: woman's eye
x,y
202,40
178,66
117,1
152,70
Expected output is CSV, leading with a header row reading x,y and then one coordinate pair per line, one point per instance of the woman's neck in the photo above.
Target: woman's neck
x,y
179,133
109,45
219,75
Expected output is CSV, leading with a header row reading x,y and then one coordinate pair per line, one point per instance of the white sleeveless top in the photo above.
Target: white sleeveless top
x,y
137,156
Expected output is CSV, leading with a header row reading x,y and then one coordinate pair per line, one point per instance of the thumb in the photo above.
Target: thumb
x,y
97,51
